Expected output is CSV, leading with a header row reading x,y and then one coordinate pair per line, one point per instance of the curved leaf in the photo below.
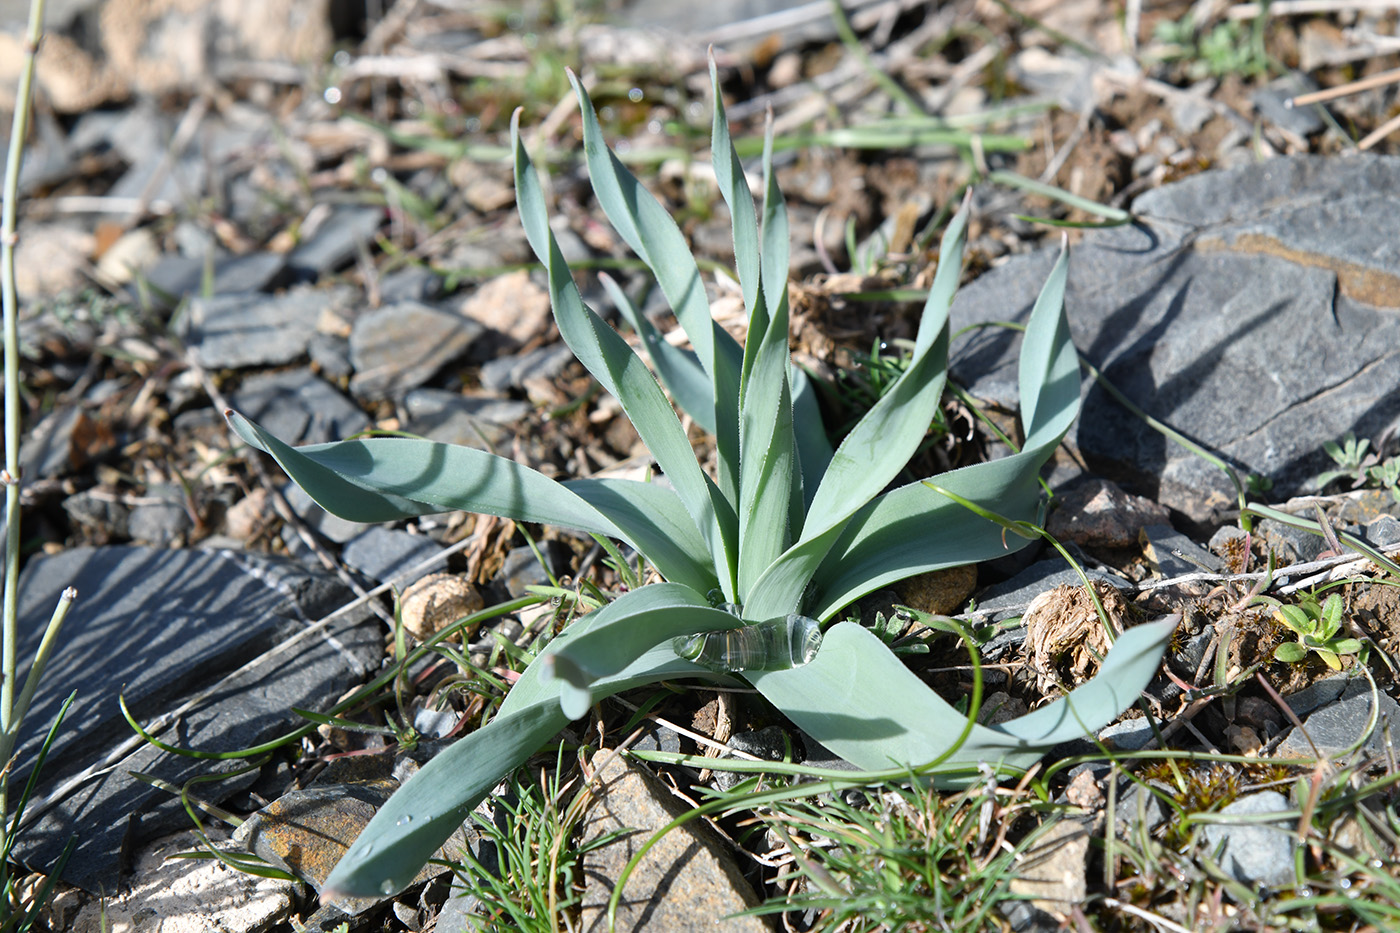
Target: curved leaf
x,y
655,522
890,718
652,234
679,370
612,362
636,629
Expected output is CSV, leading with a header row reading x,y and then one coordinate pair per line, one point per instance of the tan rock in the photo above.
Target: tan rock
x,y
49,259
940,592
435,602
512,305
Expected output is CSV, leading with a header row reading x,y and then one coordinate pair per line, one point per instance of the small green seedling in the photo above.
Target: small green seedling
x,y
1363,466
1316,626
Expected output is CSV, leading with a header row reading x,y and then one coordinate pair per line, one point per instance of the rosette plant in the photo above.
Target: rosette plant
x,y
785,525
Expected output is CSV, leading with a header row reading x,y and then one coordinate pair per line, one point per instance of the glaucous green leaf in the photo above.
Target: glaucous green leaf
x,y
652,234
635,633
611,361
886,717
388,478
679,370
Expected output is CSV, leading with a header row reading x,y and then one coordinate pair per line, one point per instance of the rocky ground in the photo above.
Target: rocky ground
x,y
301,211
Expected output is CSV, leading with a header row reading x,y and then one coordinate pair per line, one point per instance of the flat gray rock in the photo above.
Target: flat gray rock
x,y
382,553
400,347
299,407
1255,853
156,627
1339,725
241,330
1253,309
452,418
335,241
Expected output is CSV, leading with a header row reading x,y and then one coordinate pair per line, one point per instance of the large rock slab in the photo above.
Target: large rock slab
x,y
157,627
1256,310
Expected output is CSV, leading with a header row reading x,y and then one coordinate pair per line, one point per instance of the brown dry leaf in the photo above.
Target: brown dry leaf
x,y
1063,633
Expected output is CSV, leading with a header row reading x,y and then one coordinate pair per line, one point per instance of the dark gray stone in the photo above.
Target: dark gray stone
x,y
174,277
163,517
1272,103
99,512
1172,554
1291,545
155,627
523,569
1383,532
335,241
510,372
299,407
1137,809
400,347
453,418
382,553
235,331
1255,853
1339,725
1129,735
1253,309
414,283
331,355
1317,694
1012,596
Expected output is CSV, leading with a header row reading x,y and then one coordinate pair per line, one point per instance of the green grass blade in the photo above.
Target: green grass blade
x,y
679,370
652,234
612,362
425,811
890,718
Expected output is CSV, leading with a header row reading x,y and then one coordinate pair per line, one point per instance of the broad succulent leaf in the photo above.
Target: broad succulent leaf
x,y
384,479
628,642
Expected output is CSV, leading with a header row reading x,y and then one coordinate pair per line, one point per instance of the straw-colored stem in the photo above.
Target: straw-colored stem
x,y
9,237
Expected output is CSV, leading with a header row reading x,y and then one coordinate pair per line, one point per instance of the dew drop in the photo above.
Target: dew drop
x,y
1303,891
635,95
1376,863
404,820
1344,883
386,887
332,95
342,59
369,849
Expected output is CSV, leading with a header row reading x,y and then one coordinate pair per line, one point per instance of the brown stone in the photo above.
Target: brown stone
x,y
1100,514
689,880
435,602
940,592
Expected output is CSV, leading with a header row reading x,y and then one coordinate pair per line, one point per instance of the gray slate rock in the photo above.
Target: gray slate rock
x,y
510,372
1253,309
382,553
162,519
400,347
1339,725
174,276
1255,853
236,331
1172,554
156,627
333,527
299,407
1272,103
1011,597
452,418
335,241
